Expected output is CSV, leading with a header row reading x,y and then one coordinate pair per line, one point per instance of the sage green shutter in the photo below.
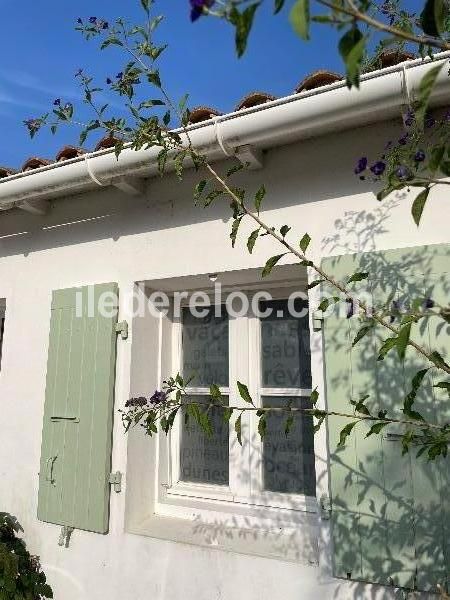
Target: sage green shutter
x,y
76,436
390,514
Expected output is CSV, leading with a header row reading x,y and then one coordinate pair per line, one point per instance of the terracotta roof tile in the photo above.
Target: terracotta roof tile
x,y
254,99
389,58
6,172
35,162
317,79
202,113
68,152
108,141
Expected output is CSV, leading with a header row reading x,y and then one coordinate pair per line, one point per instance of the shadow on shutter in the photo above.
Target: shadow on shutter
x,y
389,514
77,430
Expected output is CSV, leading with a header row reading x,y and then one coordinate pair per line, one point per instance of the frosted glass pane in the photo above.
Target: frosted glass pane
x,y
285,349
205,347
204,459
288,461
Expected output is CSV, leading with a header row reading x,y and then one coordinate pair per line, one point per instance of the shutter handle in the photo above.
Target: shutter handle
x,y
49,469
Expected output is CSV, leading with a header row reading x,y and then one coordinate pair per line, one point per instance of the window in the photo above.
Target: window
x,y
288,458
205,358
269,349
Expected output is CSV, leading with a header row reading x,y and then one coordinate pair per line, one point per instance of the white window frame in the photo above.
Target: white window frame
x,y
242,498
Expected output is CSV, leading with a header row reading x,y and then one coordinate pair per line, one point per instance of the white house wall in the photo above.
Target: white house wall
x,y
125,239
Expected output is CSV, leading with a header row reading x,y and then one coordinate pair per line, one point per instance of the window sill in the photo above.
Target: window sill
x,y
298,544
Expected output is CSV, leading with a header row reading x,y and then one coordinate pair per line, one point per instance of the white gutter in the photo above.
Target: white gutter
x,y
383,95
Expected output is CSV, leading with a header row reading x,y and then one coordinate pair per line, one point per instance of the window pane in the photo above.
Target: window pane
x,y
204,459
205,347
289,460
286,355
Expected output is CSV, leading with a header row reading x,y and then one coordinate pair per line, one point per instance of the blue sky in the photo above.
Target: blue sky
x,y
41,51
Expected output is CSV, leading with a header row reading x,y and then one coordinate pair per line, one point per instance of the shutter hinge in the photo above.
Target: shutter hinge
x,y
122,328
325,507
65,535
317,320
115,479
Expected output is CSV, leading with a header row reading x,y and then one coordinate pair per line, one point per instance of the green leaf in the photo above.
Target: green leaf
x,y
419,204
403,339
437,154
360,406
361,333
154,78
242,22
345,432
151,103
278,6
326,302
215,392
235,169
271,263
234,230
351,48
262,426
238,428
438,360
227,412
300,18
433,17
304,242
146,5
314,283
387,345
199,188
288,425
425,89
410,398
358,277
252,240
375,429
314,397
284,230
244,393
259,196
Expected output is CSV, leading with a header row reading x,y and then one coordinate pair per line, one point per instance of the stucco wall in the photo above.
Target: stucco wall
x,y
310,186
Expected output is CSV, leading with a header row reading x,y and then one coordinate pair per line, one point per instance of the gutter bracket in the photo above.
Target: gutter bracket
x,y
250,156
132,186
35,207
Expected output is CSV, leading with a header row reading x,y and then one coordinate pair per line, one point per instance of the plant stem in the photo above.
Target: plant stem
x,y
354,12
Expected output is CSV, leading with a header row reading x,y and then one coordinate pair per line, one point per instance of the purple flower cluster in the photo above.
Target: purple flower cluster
x,y
419,156
158,397
99,24
404,173
198,8
378,168
136,402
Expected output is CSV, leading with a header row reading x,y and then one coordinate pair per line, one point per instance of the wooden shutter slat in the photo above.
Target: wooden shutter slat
x,y
78,410
401,518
